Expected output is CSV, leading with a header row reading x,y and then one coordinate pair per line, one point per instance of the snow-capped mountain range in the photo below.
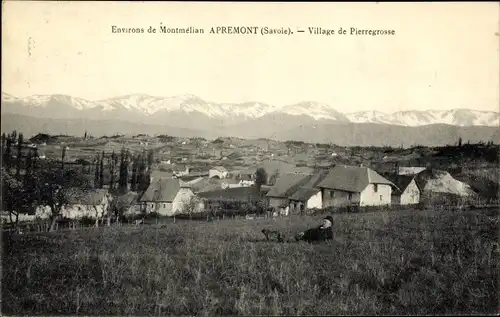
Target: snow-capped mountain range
x,y
177,109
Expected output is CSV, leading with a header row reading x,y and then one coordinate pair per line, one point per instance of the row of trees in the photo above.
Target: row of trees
x,y
141,166
28,182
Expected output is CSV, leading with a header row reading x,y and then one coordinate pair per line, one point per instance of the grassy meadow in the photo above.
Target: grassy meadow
x,y
412,262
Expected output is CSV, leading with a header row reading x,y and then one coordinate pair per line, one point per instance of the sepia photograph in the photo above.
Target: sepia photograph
x,y
250,158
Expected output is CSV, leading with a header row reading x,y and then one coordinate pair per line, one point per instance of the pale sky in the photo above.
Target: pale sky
x,y
443,56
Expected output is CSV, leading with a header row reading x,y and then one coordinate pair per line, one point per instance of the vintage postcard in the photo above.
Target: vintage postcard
x,y
253,158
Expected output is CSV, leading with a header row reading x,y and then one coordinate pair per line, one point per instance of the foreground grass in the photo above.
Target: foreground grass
x,y
379,263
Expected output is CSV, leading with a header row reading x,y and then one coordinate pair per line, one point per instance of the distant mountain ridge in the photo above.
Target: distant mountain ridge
x,y
185,110
343,134
191,116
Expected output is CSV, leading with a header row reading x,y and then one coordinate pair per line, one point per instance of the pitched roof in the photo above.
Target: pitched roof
x,y
303,194
286,184
219,168
163,190
91,197
401,182
352,178
130,198
309,188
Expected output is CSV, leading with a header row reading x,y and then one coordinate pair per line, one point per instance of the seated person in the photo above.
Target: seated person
x,y
321,233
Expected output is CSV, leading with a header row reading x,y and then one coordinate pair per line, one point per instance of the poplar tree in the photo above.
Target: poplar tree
x,y
96,172
7,154
134,183
144,178
112,168
123,181
101,171
19,154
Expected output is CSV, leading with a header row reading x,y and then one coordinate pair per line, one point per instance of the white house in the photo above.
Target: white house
x,y
218,171
229,183
282,189
308,195
246,183
167,197
131,203
181,171
5,217
295,192
93,203
408,192
353,185
88,203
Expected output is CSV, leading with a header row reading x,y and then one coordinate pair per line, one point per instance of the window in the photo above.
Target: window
x,y
375,187
380,197
350,196
164,205
332,193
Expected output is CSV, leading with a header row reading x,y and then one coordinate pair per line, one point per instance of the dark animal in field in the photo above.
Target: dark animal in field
x,y
273,235
314,235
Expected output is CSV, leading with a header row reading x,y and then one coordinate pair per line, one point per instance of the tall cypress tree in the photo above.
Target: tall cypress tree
x,y
34,161
63,156
133,182
29,165
101,171
123,181
143,175
96,174
122,162
147,177
7,154
150,159
125,171
112,169
19,158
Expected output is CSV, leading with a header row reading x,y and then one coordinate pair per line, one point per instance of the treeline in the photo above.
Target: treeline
x,y
29,182
13,151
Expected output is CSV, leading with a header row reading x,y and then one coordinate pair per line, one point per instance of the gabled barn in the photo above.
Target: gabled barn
x,y
355,186
166,197
408,192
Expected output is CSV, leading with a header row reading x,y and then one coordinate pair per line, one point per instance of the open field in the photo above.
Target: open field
x,y
416,262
